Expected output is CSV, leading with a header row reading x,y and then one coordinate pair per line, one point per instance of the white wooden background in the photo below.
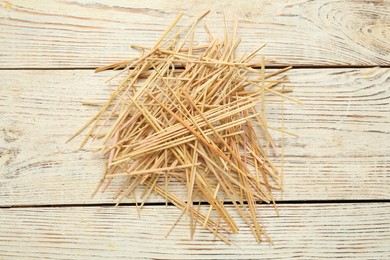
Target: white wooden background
x,y
337,176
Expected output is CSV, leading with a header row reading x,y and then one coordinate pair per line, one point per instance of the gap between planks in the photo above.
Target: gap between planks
x,y
127,204
267,67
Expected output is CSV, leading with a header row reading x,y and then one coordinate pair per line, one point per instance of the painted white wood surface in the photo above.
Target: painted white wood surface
x,y
314,231
342,152
90,33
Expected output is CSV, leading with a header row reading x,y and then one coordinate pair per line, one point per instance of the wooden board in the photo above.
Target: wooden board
x,y
343,151
316,231
334,172
85,34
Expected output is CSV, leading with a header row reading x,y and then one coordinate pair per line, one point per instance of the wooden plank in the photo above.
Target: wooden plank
x,y
70,34
318,231
342,152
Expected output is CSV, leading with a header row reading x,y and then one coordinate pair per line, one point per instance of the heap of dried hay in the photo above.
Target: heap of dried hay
x,y
193,114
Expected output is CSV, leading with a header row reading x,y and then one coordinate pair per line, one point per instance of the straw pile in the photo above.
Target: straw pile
x,y
194,115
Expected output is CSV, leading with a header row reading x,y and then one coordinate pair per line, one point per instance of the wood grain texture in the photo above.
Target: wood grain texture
x,y
317,231
343,150
91,33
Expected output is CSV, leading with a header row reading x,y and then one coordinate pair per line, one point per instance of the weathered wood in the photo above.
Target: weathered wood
x,y
70,34
317,231
342,152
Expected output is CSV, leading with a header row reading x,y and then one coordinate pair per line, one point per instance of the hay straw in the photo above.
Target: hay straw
x,y
193,115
